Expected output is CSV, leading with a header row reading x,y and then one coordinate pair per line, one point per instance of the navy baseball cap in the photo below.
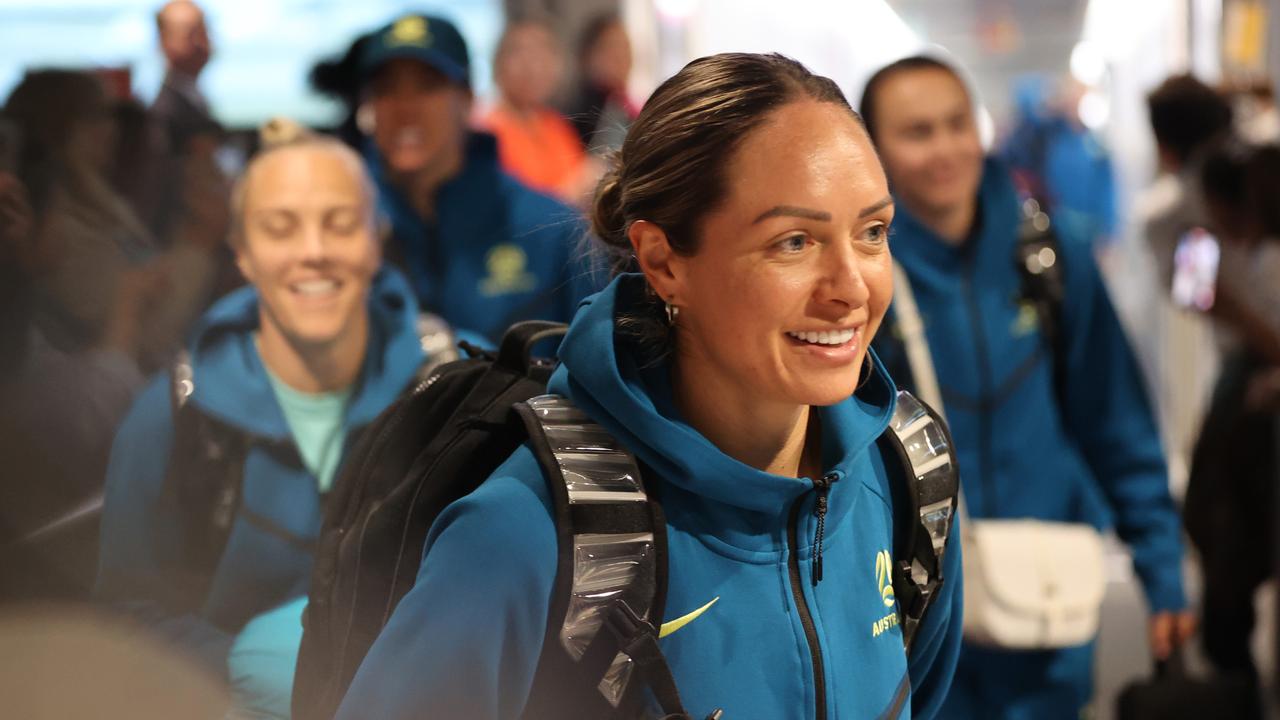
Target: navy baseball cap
x,y
427,39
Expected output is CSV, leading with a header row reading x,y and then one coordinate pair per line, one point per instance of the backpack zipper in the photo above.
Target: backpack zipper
x,y
822,487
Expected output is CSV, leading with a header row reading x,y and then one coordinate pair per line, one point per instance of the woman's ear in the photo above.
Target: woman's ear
x,y
660,263
366,121
243,265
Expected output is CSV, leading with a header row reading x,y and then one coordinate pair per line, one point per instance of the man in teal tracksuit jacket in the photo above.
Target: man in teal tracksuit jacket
x,y
496,252
268,555
465,641
481,249
1091,455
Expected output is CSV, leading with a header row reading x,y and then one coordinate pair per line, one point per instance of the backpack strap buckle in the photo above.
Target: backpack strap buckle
x,y
637,639
923,443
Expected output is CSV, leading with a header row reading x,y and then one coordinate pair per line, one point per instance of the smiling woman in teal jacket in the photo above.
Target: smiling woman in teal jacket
x,y
284,375
1088,452
735,367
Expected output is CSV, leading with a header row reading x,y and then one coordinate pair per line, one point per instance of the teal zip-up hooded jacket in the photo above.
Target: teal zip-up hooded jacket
x,y
267,559
465,641
496,252
1090,455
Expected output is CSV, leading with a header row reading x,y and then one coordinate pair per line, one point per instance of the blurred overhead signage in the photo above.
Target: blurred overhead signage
x,y
1244,38
1000,35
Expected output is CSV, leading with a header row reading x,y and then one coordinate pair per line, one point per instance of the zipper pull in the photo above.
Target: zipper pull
x,y
822,486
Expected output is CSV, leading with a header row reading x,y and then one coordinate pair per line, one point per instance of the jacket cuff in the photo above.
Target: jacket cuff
x,y
1164,591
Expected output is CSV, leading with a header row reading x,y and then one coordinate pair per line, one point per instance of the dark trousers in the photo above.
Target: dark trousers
x,y
1229,514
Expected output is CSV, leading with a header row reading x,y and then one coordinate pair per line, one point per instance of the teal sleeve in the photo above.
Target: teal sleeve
x,y
465,641
1109,416
134,529
262,661
936,650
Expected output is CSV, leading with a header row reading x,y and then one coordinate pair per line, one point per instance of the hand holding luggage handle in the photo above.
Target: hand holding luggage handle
x,y
1174,693
1028,584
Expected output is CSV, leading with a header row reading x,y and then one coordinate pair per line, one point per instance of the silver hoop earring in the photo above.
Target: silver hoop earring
x,y
673,312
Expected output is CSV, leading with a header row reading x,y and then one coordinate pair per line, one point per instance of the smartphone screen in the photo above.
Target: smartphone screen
x,y
1195,269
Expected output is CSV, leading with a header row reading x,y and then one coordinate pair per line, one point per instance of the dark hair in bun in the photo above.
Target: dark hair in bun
x,y
670,170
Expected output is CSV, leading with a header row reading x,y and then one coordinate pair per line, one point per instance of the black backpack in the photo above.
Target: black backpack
x,y
1037,258
600,657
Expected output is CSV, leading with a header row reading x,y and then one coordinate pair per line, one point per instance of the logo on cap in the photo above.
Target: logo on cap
x,y
411,30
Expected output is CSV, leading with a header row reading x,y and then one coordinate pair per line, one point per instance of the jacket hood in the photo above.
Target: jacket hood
x,y
231,382
604,374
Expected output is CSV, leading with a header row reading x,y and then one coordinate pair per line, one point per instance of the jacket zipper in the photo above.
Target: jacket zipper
x,y
984,392
822,487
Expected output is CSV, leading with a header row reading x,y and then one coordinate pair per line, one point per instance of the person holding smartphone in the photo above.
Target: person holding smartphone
x,y
1234,469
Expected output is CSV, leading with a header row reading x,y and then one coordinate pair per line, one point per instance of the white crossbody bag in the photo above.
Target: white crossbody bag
x,y
1028,584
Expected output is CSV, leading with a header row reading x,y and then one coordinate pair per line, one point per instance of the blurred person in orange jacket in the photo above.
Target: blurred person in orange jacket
x,y
536,144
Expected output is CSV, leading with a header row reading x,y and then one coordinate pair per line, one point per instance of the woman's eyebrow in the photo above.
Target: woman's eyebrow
x,y
793,211
808,214
876,207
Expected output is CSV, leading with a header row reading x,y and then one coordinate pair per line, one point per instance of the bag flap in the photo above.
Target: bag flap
x,y
1033,566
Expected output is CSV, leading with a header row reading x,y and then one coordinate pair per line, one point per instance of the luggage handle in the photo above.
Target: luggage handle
x,y
1172,667
517,343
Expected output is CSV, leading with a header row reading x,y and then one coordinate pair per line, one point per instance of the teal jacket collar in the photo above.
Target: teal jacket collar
x,y
602,373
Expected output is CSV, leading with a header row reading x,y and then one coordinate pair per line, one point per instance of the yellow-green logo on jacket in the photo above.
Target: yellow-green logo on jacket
x,y
884,584
507,268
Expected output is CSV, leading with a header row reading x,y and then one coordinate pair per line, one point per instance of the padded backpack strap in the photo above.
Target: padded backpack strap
x,y
611,576
1038,257
202,489
923,444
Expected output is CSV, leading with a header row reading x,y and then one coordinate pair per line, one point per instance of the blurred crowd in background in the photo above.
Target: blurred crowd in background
x,y
119,213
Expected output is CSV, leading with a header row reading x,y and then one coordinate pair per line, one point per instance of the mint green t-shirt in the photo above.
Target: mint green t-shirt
x,y
315,419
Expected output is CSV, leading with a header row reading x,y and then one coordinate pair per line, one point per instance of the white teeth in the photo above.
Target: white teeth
x,y
834,337
409,136
315,287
